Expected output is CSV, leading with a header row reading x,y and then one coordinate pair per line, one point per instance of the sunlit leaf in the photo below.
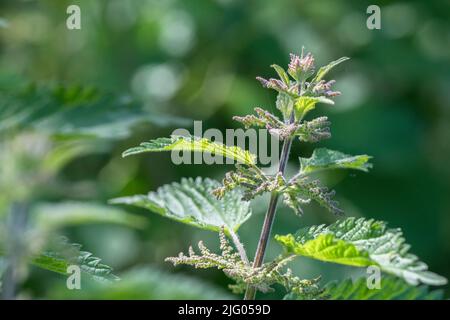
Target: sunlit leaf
x,y
194,144
361,242
305,104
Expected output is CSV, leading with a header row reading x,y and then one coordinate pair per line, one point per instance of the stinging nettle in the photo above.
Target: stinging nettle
x,y
224,206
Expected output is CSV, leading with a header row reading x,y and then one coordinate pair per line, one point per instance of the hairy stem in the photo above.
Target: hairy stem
x,y
250,293
239,246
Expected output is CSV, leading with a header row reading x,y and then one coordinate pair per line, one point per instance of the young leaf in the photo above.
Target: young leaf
x,y
285,104
281,73
360,242
191,202
325,159
325,69
65,254
304,104
193,144
326,247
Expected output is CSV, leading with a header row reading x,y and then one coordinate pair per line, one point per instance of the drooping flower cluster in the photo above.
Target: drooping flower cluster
x,y
244,274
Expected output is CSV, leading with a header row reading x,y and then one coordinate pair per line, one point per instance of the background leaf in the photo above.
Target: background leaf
x,y
149,283
76,110
64,254
51,216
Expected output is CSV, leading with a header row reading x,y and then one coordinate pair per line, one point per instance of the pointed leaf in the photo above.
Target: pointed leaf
x,y
191,202
304,104
285,104
326,159
357,242
281,73
194,144
325,69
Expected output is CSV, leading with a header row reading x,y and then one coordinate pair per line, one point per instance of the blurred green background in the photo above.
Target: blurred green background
x,y
197,60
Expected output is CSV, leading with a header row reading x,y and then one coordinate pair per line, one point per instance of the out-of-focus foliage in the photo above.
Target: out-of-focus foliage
x,y
198,59
65,254
147,283
75,110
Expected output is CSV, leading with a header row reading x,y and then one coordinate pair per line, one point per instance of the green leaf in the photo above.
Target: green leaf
x,y
360,242
281,73
325,69
325,159
391,288
193,144
305,104
64,254
327,248
54,216
191,202
74,111
285,104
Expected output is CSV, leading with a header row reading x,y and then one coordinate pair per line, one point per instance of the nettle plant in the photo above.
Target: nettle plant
x,y
224,207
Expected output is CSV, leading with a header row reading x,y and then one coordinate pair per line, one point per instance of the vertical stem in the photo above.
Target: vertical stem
x,y
250,293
